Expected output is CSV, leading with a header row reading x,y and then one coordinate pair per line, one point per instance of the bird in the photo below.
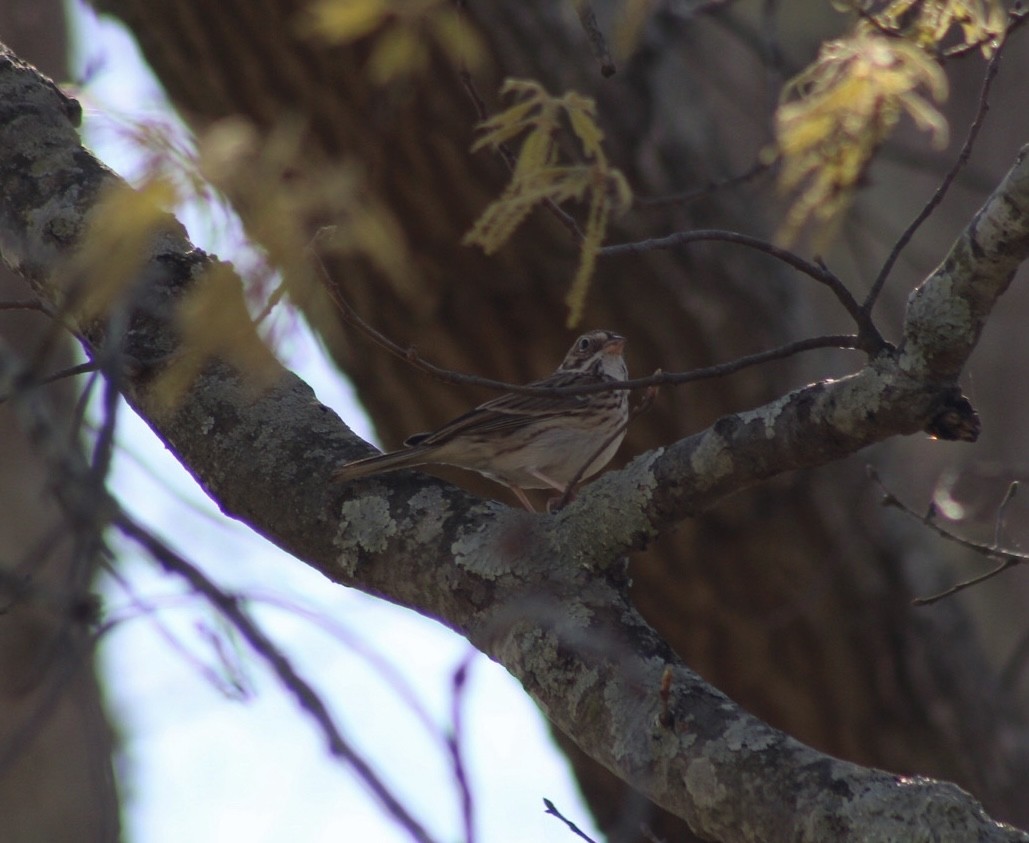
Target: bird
x,y
529,441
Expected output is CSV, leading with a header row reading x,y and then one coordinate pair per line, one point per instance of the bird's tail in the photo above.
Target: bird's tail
x,y
382,463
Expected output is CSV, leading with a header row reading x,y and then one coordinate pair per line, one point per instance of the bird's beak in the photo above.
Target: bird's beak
x,y
615,345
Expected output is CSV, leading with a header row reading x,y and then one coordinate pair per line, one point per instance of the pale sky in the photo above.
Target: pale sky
x,y
198,764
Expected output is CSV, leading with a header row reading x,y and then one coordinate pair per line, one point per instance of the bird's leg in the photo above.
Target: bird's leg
x,y
567,495
553,484
559,502
521,497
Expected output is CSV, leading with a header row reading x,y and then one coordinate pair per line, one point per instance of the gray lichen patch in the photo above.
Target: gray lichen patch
x,y
430,508
641,472
704,784
767,415
712,457
366,526
741,735
472,549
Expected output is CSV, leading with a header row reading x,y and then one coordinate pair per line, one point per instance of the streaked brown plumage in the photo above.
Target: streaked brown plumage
x,y
528,441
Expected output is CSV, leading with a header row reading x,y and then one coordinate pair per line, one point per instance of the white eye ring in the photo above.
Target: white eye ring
x,y
584,344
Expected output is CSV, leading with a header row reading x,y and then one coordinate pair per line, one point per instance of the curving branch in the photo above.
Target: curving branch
x,y
544,595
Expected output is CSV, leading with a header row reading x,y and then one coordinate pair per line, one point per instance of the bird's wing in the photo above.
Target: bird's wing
x,y
509,411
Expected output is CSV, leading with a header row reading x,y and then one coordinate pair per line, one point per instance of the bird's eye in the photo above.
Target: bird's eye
x,y
584,344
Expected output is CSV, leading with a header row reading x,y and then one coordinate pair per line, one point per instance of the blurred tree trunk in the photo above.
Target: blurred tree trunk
x,y
793,598
56,775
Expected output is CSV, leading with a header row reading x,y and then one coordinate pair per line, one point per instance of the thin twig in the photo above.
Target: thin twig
x,y
87,497
755,170
70,372
273,299
78,415
846,341
961,586
1009,558
386,670
69,469
232,688
109,362
598,44
1016,17
572,827
26,304
813,269
305,695
1002,510
413,358
941,191
455,744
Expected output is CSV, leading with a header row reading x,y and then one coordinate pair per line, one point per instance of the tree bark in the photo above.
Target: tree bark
x,y
56,772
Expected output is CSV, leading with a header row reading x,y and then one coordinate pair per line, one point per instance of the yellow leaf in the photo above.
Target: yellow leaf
x,y
458,39
344,20
498,222
836,113
506,125
628,29
214,324
929,23
540,176
120,235
529,87
582,116
621,192
535,153
398,52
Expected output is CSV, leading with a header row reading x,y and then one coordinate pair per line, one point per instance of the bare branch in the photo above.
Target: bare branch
x,y
872,339
307,698
572,827
1017,15
998,526
1009,558
25,304
455,747
79,489
412,357
941,191
598,44
70,372
758,168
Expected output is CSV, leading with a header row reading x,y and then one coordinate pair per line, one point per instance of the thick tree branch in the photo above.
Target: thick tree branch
x,y
540,594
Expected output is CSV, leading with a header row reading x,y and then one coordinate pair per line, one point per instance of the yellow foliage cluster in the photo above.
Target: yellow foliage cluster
x,y
540,176
402,33
214,324
835,114
929,23
632,17
117,243
282,196
124,232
